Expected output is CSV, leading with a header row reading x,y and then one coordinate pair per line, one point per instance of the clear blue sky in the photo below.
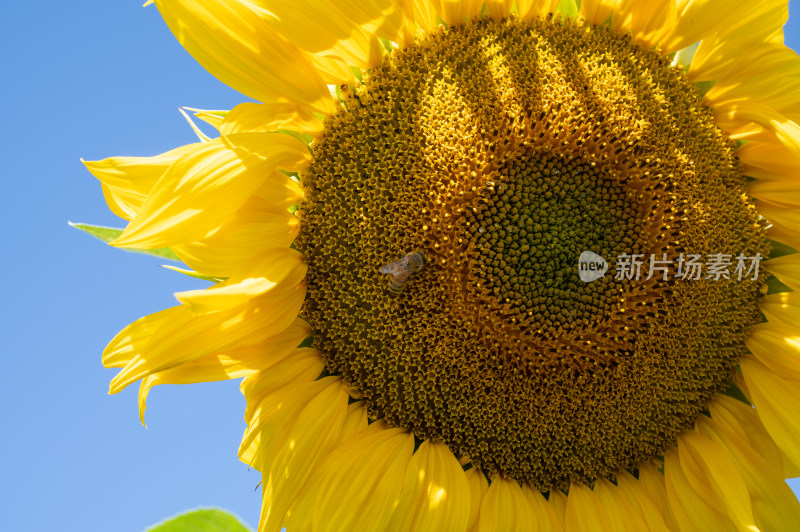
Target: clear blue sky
x,y
94,79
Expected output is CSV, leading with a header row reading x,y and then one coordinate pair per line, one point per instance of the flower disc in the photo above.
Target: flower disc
x,y
494,154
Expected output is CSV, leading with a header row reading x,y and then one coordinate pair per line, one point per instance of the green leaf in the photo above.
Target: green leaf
x,y
202,520
107,234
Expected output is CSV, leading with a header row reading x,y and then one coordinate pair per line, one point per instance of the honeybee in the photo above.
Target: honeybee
x,y
401,269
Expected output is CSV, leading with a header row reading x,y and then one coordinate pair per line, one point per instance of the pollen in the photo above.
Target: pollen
x,y
448,202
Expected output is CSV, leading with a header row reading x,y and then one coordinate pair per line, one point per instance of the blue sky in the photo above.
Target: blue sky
x,y
92,80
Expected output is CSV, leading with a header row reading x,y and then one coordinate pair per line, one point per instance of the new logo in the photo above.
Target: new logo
x,y
591,266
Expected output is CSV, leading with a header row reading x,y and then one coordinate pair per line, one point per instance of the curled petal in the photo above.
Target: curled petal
x,y
222,173
229,364
127,181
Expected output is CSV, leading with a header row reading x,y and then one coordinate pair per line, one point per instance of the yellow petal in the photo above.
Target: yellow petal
x,y
204,188
271,414
777,347
774,505
787,269
186,336
785,217
654,485
478,486
768,160
545,517
436,495
779,233
122,202
358,485
585,511
334,71
714,476
273,268
133,338
699,19
425,14
719,56
212,117
274,399
255,229
232,43
780,192
306,439
129,180
320,28
783,308
604,508
503,507
265,117
769,123
499,9
388,19
743,420
641,501
528,9
303,365
280,192
455,12
230,364
355,427
751,79
651,20
777,401
689,507
598,11
558,501
357,420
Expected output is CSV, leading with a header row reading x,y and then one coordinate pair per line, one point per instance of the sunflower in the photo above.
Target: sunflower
x,y
395,233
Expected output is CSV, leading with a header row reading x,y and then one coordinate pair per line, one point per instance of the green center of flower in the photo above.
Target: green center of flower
x,y
447,207
540,215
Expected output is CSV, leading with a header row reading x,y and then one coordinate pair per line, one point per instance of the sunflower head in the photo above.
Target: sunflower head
x,y
399,261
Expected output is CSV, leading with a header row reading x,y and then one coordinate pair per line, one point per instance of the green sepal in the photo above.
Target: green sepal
x,y
305,138
737,393
357,73
685,56
568,8
775,286
192,273
704,86
308,342
387,44
202,520
107,234
779,249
